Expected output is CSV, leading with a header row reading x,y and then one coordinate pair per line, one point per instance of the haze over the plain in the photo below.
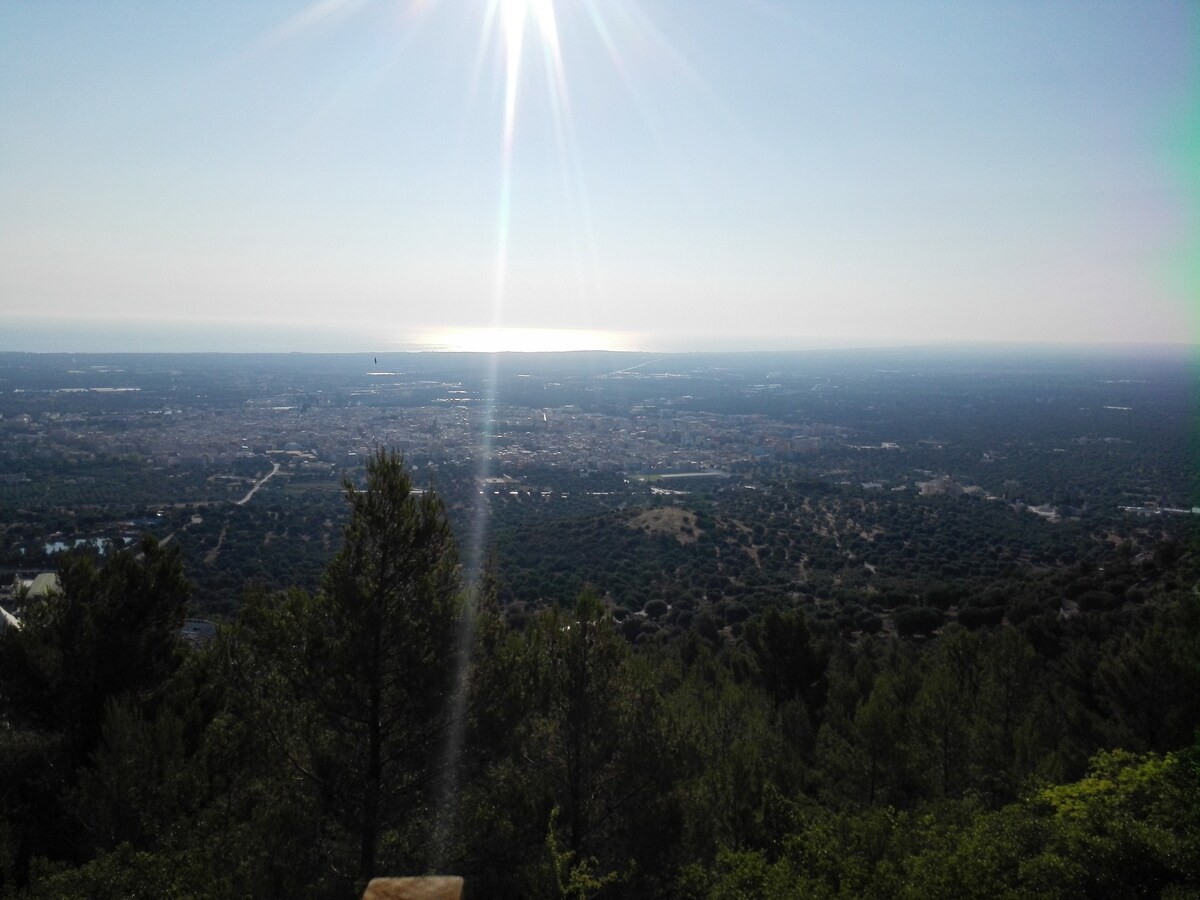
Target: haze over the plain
x,y
564,174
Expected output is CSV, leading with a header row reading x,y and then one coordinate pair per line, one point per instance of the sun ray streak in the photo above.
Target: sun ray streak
x,y
574,190
645,113
322,12
511,21
481,50
513,16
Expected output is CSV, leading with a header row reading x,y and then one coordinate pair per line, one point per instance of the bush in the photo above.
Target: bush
x,y
919,620
978,616
870,623
1098,601
655,608
736,612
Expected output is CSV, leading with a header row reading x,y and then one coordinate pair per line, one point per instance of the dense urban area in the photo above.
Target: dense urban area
x,y
829,624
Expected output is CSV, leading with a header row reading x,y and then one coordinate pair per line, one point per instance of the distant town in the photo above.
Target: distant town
x,y
96,450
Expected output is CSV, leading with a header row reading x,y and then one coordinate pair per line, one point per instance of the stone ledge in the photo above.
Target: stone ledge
x,y
430,887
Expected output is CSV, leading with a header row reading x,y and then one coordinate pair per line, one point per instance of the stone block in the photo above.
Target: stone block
x,y
430,887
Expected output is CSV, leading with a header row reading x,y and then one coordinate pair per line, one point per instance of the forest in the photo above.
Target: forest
x,y
1027,730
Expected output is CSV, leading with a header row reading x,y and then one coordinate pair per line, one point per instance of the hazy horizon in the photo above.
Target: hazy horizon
x,y
545,174
52,338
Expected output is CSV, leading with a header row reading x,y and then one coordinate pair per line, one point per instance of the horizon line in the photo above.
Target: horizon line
x,y
37,334
809,347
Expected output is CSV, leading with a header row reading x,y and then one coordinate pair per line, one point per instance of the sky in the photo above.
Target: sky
x,y
566,174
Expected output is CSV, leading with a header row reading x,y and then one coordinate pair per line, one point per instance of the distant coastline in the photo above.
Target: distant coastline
x,y
27,335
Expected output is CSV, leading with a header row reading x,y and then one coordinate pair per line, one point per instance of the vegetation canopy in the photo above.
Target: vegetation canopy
x,y
583,749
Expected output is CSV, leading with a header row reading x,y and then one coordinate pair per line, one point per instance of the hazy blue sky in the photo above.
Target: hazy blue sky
x,y
688,173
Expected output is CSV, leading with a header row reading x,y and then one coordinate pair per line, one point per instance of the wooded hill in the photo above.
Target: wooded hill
x,y
395,720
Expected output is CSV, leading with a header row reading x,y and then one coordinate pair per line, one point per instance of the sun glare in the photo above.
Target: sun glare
x,y
515,17
525,340
520,46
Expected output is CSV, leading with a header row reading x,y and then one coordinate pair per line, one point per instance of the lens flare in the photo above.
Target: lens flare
x,y
516,34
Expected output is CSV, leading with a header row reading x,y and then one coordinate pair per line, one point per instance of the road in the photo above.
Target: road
x,y
257,485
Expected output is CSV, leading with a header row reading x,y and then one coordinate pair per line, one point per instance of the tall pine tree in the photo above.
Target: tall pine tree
x,y
357,680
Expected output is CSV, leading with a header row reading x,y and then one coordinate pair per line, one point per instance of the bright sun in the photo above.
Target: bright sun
x,y
523,35
515,16
516,13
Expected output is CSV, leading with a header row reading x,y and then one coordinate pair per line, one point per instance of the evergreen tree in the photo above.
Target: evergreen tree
x,y
357,679
106,635
600,743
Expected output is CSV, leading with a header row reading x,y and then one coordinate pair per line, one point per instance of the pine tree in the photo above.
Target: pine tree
x,y
107,635
358,678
